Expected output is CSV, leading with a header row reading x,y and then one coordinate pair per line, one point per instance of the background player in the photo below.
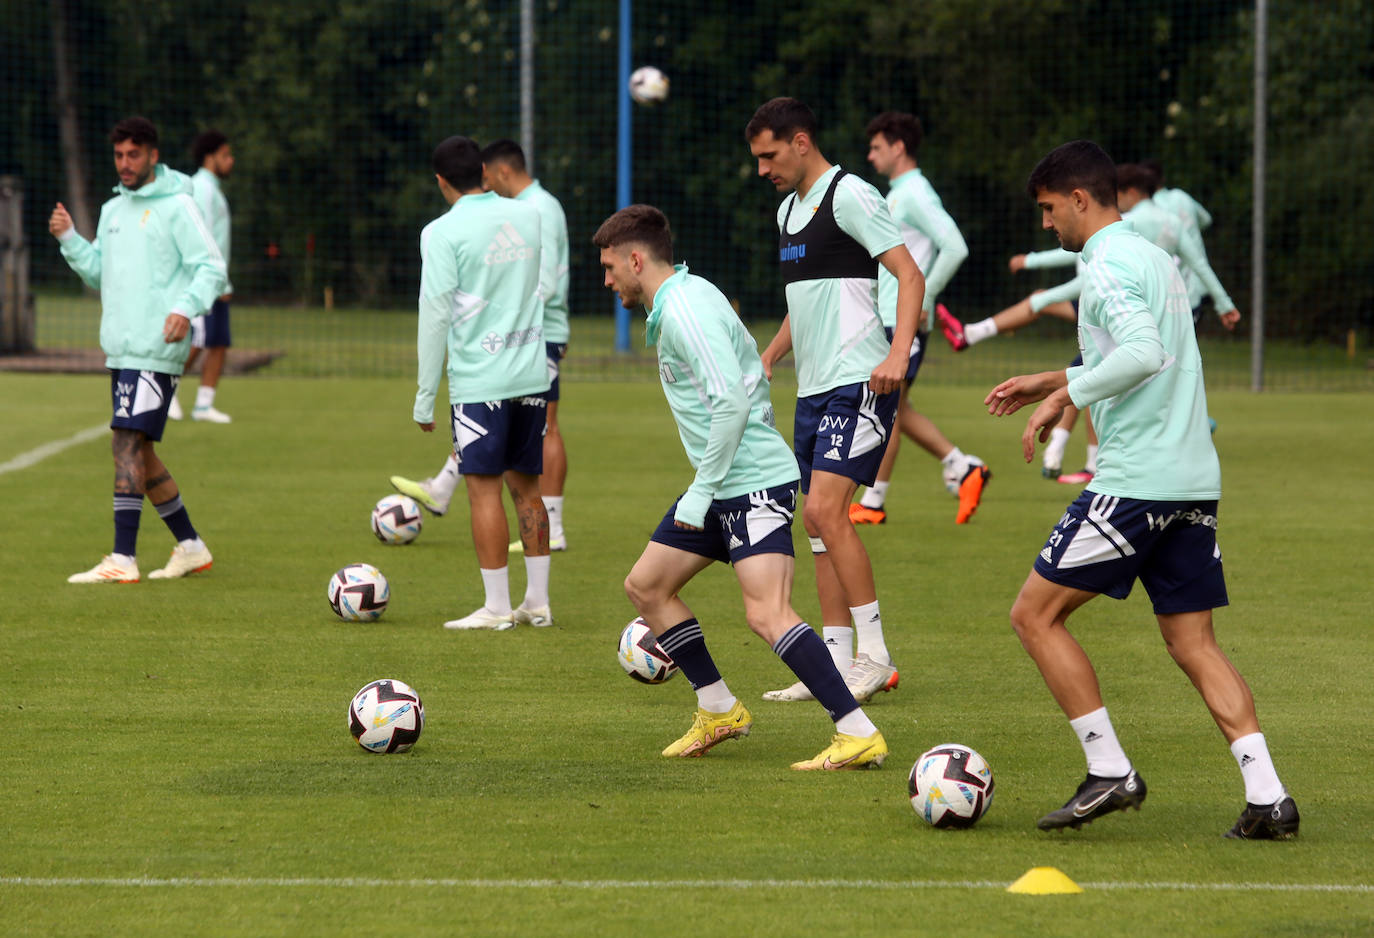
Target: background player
x,y
156,266
483,256
834,230
740,504
938,248
1151,512
215,157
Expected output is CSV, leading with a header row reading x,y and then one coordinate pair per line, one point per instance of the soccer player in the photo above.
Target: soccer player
x,y
1193,219
211,150
834,231
157,268
1151,511
740,505
938,249
480,305
505,173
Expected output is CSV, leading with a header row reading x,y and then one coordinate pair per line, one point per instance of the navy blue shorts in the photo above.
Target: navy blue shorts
x,y
844,431
493,437
553,354
735,528
916,356
1103,544
212,329
139,400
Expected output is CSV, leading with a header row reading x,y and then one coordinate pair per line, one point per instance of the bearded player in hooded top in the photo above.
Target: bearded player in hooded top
x,y
739,507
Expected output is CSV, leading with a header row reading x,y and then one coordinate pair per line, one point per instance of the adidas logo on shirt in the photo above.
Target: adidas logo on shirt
x,y
507,246
834,453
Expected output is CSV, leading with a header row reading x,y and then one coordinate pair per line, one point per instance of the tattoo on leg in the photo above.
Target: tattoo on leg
x,y
155,481
127,446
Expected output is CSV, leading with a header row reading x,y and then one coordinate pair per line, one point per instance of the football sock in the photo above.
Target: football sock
x,y
955,457
715,698
855,723
686,645
496,583
802,650
1091,464
875,496
1106,758
553,505
173,514
1262,785
839,641
868,627
976,332
443,484
1054,452
128,509
536,581
205,397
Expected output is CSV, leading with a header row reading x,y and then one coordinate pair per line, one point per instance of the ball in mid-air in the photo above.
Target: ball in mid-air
x,y
648,85
641,656
950,786
396,520
358,593
386,716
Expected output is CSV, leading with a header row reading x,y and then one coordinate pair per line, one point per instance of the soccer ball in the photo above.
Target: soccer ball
x,y
386,716
396,520
648,85
358,593
641,657
950,786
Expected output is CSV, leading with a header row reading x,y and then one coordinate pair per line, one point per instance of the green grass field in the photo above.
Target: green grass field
x,y
179,762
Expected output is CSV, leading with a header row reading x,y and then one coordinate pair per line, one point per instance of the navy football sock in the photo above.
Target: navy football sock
x,y
686,645
802,650
128,510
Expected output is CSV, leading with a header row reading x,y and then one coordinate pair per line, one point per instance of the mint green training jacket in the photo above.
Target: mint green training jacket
x,y
153,255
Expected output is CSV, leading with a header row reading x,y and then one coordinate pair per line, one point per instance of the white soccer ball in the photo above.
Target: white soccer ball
x,y
358,593
641,657
950,786
396,520
386,716
648,85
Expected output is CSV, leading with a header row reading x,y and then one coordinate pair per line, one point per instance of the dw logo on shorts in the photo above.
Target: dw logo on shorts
x,y
1095,539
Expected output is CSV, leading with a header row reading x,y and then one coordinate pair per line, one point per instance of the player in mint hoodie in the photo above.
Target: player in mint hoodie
x,y
156,266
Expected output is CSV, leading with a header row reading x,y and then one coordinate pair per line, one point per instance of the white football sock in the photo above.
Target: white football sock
x,y
954,457
536,581
443,484
976,332
855,723
205,397
1091,464
715,697
1262,785
1054,451
839,641
868,629
875,496
553,505
124,560
1106,758
497,586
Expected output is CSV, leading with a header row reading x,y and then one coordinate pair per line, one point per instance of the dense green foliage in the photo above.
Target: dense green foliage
x,y
334,106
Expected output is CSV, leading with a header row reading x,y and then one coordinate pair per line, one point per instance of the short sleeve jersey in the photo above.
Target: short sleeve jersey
x,y
480,304
553,260
704,354
929,233
1154,438
837,334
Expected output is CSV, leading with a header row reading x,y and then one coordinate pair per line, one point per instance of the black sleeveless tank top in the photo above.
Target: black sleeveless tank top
x,y
821,250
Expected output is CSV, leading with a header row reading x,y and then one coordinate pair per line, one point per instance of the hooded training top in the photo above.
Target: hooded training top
x,y
153,255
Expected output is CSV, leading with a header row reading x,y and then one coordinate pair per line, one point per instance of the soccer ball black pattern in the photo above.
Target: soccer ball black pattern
x,y
950,786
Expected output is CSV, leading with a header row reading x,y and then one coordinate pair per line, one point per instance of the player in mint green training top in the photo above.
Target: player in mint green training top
x,y
834,232
1151,511
938,249
480,306
740,504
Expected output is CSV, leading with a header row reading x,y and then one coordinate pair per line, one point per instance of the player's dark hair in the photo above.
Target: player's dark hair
x,y
1136,176
897,125
505,151
785,117
1081,164
458,161
1154,166
206,143
638,224
140,130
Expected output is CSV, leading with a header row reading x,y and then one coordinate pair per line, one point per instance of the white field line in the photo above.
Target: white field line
x,y
248,882
40,453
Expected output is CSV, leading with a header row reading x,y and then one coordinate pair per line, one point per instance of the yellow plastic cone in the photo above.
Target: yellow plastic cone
x,y
1044,881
